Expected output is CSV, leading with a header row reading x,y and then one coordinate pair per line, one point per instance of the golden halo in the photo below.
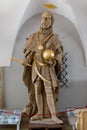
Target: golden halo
x,y
50,6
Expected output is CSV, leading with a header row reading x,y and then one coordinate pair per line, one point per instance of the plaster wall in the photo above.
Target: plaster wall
x,y
15,92
13,14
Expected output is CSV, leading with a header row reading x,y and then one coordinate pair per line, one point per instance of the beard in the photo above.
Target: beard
x,y
46,24
46,30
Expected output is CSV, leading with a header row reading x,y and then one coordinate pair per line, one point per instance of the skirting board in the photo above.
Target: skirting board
x,y
1,87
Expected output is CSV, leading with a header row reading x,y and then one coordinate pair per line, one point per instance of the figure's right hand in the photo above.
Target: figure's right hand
x,y
24,63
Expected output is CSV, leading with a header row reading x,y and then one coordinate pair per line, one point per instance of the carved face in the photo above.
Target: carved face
x,y
46,20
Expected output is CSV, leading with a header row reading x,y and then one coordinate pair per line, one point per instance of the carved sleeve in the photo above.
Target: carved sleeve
x,y
28,50
58,50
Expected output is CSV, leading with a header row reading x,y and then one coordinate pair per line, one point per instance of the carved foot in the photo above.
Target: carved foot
x,y
57,120
27,110
37,117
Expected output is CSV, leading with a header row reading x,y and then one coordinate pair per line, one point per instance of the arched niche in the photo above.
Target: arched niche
x,y
76,72
19,12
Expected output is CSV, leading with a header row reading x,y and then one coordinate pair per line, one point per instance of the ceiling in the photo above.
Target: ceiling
x,y
13,14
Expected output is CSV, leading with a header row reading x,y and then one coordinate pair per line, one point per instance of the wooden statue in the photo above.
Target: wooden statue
x,y
44,52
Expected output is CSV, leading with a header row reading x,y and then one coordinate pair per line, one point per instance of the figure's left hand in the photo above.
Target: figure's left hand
x,y
50,62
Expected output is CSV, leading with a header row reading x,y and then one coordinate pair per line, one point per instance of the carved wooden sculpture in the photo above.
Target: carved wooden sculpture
x,y
44,52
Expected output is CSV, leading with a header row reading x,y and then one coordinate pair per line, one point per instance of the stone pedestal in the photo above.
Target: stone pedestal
x,y
48,124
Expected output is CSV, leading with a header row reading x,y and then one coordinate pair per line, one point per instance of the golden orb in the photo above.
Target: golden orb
x,y
48,54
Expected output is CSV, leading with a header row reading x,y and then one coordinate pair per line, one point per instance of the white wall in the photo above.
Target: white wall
x,y
13,14
75,95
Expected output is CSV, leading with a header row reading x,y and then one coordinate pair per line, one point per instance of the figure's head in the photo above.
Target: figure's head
x,y
47,20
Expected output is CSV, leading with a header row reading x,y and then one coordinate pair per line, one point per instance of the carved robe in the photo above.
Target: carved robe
x,y
50,71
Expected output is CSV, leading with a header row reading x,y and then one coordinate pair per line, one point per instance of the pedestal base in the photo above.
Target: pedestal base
x,y
34,126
